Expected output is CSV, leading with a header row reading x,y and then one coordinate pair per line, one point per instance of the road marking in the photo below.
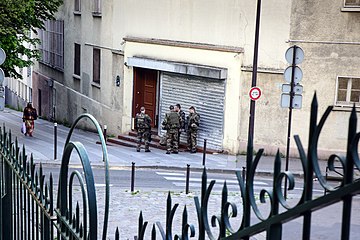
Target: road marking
x,y
228,181
170,174
102,185
176,177
217,186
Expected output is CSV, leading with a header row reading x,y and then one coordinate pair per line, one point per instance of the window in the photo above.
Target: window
x,y
96,65
351,3
28,71
77,7
97,7
348,91
52,44
77,59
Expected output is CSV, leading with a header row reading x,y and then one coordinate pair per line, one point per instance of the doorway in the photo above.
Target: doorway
x,y
145,92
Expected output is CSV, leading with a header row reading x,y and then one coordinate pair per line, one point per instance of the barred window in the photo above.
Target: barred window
x,y
77,7
351,3
96,65
348,91
52,44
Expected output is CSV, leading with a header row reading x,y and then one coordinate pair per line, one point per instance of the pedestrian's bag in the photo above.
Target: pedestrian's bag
x,y
23,128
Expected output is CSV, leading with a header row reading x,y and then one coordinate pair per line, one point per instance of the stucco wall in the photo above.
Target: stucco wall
x,y
230,61
229,23
330,40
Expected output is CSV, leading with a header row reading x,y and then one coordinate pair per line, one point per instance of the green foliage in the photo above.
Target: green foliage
x,y
18,18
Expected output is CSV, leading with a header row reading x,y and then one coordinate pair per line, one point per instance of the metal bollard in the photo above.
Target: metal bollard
x,y
243,173
132,176
105,136
55,140
204,152
187,179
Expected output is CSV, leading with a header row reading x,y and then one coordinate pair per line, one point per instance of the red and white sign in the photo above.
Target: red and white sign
x,y
255,93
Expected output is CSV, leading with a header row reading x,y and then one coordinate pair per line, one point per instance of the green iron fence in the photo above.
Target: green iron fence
x,y
28,210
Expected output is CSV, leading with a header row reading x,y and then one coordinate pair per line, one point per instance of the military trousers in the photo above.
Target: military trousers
x,y
172,137
143,134
191,140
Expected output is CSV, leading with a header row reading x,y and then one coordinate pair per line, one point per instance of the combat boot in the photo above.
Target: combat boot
x,y
147,150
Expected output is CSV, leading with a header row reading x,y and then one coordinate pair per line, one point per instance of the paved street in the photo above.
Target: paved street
x,y
42,147
157,173
175,180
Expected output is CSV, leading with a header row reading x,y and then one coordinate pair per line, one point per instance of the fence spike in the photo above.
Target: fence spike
x,y
36,182
17,151
203,184
77,216
74,222
185,217
117,234
168,205
42,178
28,172
153,232
51,188
141,222
46,192
67,214
81,230
223,213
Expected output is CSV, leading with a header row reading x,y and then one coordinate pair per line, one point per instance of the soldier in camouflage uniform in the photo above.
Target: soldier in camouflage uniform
x,y
193,121
182,119
172,124
143,128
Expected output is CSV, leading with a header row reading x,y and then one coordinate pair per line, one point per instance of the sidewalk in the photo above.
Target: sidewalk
x,y
42,148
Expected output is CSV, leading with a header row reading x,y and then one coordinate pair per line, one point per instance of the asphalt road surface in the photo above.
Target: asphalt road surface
x,y
175,180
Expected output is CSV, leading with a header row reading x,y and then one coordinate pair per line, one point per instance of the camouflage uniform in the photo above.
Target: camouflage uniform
x,y
182,123
172,124
193,121
143,127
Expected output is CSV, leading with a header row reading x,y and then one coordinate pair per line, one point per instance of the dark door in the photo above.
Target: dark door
x,y
145,92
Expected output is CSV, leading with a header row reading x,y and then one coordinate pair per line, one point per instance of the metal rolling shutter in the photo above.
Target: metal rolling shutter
x,y
205,94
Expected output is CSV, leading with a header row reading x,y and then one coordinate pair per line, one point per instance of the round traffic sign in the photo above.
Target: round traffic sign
x,y
298,74
2,56
289,55
255,93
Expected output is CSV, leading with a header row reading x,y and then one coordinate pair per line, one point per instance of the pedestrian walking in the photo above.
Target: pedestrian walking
x,y
29,117
172,124
143,128
182,120
193,122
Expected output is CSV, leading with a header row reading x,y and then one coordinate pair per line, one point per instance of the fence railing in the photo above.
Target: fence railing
x,y
28,209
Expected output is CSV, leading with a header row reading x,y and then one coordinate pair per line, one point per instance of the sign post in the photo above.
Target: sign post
x,y
2,77
291,96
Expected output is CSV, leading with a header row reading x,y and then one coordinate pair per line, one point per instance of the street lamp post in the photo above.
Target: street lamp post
x,y
250,145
